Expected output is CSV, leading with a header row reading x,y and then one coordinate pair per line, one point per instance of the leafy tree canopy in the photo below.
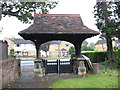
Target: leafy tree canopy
x,y
71,50
107,15
87,48
23,10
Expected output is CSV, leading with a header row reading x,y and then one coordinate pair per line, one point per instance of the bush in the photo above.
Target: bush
x,y
95,57
72,55
99,56
117,55
12,53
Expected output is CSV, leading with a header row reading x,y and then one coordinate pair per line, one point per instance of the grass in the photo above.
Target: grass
x,y
28,59
104,79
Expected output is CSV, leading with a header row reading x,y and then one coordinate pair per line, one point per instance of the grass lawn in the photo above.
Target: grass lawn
x,y
104,79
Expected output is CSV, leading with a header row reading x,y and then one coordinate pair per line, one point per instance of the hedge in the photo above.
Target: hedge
x,y
98,56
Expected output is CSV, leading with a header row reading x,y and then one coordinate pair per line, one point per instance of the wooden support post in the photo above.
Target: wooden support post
x,y
37,44
37,51
78,50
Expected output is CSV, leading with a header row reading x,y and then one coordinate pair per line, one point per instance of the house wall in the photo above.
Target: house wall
x,y
29,48
63,46
100,47
43,53
53,48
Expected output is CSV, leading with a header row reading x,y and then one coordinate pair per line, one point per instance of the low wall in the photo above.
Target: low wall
x,y
10,70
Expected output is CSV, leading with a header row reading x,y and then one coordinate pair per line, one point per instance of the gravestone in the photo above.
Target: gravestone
x,y
3,50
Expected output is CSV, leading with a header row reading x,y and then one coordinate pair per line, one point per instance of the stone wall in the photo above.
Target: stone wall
x,y
3,50
9,70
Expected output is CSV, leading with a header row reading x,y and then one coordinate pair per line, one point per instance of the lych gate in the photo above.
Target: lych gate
x,y
67,27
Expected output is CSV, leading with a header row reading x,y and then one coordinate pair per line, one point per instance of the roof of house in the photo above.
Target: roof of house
x,y
58,24
63,49
85,42
58,42
22,41
100,42
55,42
104,42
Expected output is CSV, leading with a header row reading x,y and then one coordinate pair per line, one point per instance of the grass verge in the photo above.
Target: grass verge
x,y
104,79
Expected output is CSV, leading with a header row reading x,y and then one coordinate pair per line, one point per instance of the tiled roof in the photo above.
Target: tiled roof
x,y
85,42
104,42
100,42
58,24
22,41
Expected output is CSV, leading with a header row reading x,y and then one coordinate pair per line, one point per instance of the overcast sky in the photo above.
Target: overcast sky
x,y
11,25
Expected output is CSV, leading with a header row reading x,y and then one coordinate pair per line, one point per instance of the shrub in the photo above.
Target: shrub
x,y
72,55
12,53
95,57
99,56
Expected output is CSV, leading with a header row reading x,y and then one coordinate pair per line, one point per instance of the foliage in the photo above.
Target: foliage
x,y
87,48
72,55
101,80
23,10
106,14
12,53
83,48
99,56
106,18
71,50
92,45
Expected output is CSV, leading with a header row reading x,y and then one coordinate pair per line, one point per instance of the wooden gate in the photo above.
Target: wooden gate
x,y
58,66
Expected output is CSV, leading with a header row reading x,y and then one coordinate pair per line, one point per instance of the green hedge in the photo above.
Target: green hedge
x,y
95,57
98,56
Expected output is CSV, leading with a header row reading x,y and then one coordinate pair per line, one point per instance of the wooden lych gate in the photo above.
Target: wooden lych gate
x,y
57,66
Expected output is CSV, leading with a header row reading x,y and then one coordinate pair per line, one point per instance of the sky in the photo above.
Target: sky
x,y
11,25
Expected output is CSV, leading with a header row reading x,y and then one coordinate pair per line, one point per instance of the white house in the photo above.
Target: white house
x,y
26,48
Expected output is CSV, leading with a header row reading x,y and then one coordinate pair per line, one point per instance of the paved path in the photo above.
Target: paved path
x,y
27,80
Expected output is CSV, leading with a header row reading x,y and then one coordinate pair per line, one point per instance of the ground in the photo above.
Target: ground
x,y
27,80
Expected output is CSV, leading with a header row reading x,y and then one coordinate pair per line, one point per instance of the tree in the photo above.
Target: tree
x,y
117,12
45,47
12,52
87,48
92,45
71,50
107,23
23,10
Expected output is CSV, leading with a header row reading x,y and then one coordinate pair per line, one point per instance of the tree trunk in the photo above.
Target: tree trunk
x,y
110,52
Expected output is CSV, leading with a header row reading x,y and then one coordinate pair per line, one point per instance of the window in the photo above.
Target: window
x,y
55,44
67,45
18,52
18,45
